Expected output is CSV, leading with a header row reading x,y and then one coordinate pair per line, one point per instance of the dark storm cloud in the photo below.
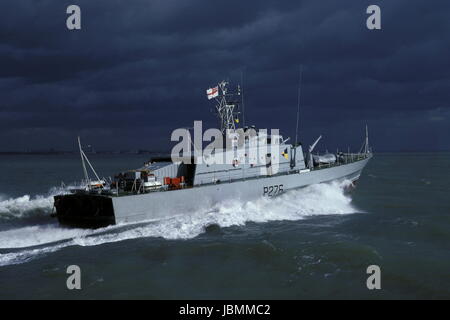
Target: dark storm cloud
x,y
139,69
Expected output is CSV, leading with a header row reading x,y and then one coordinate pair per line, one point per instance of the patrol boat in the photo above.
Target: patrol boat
x,y
257,164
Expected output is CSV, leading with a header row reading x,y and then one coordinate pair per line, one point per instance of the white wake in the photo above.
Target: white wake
x,y
324,199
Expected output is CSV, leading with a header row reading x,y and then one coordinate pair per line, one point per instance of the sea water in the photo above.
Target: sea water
x,y
315,242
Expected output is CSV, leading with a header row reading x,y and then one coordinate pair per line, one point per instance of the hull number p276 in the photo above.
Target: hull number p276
x,y
271,191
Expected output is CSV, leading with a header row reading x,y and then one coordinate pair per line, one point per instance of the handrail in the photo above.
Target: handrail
x,y
353,158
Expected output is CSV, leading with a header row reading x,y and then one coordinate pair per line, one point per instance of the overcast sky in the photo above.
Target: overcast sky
x,y
139,69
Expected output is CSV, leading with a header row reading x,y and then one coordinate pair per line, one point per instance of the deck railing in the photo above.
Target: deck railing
x,y
342,159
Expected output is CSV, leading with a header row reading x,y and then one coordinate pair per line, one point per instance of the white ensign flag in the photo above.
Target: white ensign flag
x,y
212,92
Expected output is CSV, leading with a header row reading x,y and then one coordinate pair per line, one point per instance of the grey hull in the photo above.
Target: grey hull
x,y
163,205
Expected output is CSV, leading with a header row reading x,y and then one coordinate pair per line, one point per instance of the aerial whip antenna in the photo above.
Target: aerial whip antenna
x,y
367,140
298,103
242,94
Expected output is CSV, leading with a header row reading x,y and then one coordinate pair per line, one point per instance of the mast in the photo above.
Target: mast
x,y
227,110
86,176
85,159
90,165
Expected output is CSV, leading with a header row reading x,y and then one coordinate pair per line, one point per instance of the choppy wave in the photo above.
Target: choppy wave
x,y
33,241
26,205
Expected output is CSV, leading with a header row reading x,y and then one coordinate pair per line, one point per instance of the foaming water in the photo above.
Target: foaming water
x,y
26,205
33,241
38,235
320,199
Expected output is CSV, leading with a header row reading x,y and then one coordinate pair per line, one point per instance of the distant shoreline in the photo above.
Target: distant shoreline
x,y
145,152
56,153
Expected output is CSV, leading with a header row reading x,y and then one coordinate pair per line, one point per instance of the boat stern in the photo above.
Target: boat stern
x,y
84,210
